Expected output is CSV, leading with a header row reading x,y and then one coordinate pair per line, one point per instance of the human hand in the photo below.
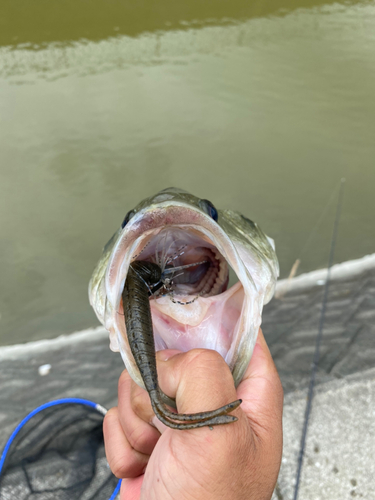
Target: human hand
x,y
237,461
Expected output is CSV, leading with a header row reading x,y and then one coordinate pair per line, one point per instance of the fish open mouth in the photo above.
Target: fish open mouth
x,y
192,307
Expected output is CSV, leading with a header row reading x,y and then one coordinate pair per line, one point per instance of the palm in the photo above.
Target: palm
x,y
172,453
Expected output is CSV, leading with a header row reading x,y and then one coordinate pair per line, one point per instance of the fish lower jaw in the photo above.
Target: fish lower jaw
x,y
208,323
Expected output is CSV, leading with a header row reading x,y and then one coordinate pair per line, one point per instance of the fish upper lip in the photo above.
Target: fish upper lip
x,y
170,213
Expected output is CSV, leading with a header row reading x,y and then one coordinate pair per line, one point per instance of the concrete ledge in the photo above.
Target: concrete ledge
x,y
344,271
20,350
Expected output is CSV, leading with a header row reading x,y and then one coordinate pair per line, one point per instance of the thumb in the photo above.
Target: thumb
x,y
199,380
261,390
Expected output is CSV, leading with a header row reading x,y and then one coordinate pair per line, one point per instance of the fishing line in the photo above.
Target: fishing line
x,y
293,271
320,220
315,362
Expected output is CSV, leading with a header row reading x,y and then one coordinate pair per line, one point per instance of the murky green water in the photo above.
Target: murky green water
x,y
260,108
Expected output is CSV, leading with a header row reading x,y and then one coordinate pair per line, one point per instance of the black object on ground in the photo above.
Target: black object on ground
x,y
57,452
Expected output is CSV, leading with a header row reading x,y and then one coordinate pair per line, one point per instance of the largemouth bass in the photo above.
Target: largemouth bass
x,y
190,245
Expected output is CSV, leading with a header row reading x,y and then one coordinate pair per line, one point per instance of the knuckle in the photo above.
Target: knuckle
x,y
205,358
119,467
111,413
136,438
205,371
109,417
123,381
138,403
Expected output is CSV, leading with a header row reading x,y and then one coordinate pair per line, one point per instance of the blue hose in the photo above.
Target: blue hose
x,y
57,402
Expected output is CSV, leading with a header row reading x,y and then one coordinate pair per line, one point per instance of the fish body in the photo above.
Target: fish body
x,y
194,244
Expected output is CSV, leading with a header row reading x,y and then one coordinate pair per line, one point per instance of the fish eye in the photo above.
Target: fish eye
x,y
128,216
209,209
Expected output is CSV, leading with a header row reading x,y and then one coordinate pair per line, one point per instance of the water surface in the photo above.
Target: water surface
x,y
259,108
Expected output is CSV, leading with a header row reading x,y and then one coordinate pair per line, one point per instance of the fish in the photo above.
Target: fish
x,y
191,246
